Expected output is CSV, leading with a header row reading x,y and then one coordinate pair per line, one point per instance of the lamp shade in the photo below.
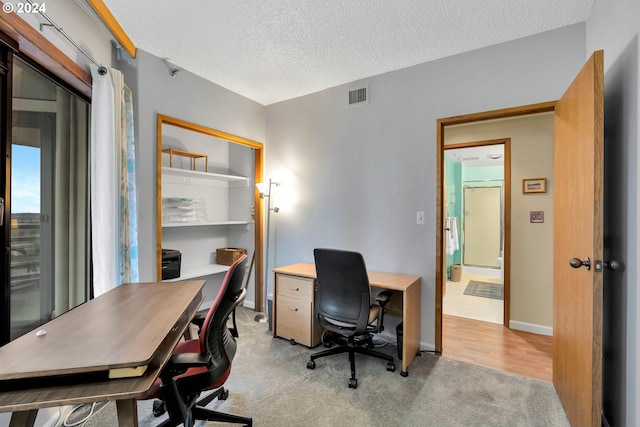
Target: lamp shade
x,y
263,187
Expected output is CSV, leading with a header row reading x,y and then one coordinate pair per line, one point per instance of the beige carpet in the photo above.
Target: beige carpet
x,y
270,382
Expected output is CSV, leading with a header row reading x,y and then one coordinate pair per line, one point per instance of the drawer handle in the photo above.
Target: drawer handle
x,y
293,308
293,289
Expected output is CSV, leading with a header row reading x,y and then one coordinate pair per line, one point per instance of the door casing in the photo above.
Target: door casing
x,y
441,124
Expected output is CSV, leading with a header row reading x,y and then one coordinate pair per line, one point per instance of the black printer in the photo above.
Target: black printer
x,y
170,264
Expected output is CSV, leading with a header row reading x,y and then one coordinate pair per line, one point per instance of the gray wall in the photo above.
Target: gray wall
x,y
92,37
358,175
614,26
187,97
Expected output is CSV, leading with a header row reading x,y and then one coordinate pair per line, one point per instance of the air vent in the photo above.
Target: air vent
x,y
468,159
358,96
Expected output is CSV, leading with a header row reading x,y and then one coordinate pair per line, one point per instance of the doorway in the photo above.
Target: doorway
x,y
475,204
536,110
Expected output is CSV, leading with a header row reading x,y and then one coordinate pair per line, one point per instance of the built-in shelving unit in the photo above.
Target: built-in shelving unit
x,y
213,191
205,205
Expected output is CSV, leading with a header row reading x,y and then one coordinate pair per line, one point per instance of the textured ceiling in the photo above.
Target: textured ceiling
x,y
273,50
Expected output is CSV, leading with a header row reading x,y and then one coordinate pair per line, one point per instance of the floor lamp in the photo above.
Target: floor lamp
x,y
265,192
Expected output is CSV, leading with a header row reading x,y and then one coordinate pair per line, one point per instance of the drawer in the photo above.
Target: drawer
x,y
293,319
297,287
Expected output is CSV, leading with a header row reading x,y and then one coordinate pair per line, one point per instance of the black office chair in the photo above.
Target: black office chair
x,y
203,364
343,307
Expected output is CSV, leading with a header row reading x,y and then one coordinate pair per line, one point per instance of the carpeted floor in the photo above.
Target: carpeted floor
x,y
485,289
270,382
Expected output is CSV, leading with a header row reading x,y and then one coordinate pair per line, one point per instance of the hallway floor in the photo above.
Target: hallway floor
x,y
473,332
494,346
455,303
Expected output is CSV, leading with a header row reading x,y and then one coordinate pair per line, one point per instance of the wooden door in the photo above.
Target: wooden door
x,y
578,217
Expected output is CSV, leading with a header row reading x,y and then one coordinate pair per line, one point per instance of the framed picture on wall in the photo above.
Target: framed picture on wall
x,y
534,185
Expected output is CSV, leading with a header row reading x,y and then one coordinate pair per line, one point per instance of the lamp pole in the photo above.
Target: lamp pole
x,y
262,317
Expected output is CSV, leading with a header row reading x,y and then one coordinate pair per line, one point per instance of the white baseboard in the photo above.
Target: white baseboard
x,y
249,304
530,327
424,346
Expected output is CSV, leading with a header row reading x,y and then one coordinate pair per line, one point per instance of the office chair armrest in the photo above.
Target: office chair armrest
x,y
383,298
179,363
184,361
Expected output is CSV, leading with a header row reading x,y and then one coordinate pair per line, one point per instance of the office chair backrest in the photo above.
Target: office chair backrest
x,y
215,338
342,286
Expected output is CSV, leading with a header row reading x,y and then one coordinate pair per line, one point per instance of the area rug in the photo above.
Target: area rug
x,y
484,289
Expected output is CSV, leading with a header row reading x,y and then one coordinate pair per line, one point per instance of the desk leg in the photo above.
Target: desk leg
x,y
411,325
127,412
23,418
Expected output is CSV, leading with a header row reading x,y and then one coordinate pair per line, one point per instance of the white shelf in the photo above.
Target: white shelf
x,y
205,270
186,173
203,224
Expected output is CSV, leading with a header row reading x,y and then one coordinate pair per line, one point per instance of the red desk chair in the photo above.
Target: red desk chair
x,y
205,363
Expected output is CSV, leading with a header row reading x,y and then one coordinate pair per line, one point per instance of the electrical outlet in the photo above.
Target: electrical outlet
x,y
420,218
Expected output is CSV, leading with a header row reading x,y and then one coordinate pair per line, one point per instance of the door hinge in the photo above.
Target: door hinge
x,y
1,211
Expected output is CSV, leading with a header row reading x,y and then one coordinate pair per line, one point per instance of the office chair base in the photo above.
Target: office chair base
x,y
200,413
352,347
203,414
222,393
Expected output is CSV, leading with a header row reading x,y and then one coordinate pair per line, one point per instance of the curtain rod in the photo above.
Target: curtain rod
x,y
102,70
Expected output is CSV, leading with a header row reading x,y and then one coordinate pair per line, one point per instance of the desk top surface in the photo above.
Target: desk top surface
x,y
121,328
392,281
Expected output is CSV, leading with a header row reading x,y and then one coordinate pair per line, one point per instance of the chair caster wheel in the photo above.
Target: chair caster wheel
x,y
158,408
327,344
224,394
311,364
353,383
391,367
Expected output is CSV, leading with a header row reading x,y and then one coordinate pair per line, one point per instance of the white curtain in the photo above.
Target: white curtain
x,y
113,197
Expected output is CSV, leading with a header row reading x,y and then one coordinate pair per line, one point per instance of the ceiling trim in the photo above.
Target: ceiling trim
x,y
114,26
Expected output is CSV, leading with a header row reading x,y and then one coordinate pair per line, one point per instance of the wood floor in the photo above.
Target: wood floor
x,y
494,346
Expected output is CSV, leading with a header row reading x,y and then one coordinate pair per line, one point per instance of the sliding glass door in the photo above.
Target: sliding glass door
x,y
45,223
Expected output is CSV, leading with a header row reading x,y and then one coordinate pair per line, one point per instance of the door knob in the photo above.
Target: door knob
x,y
577,263
612,265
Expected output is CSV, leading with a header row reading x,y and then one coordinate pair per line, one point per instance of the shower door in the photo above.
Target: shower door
x,y
482,233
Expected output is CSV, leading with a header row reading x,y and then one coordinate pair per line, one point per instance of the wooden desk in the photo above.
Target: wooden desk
x,y
133,325
407,285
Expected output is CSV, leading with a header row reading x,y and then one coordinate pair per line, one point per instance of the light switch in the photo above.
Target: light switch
x,y
420,217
